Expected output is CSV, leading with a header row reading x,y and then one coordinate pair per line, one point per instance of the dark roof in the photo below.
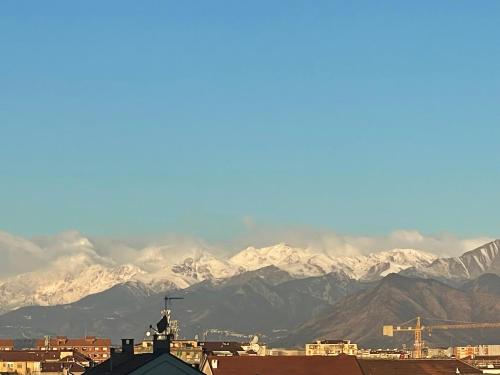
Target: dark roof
x,y
77,357
59,366
217,346
121,366
332,342
416,366
124,366
289,365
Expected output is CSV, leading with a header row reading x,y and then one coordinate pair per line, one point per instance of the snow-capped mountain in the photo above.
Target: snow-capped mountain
x,y
470,265
296,261
307,262
69,266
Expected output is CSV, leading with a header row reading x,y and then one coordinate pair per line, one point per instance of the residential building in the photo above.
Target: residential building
x,y
331,347
29,362
6,344
285,351
98,349
439,352
187,350
383,354
476,350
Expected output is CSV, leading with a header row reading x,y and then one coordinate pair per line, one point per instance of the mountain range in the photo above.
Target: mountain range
x,y
283,293
78,270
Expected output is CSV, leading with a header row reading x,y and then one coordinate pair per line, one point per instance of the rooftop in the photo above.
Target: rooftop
x,y
416,366
289,365
167,362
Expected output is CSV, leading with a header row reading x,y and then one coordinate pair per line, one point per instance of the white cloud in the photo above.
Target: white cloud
x,y
64,250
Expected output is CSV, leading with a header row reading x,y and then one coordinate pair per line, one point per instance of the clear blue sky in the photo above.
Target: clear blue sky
x,y
187,116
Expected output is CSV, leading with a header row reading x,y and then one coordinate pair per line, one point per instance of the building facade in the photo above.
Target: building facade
x,y
98,349
476,350
35,362
331,347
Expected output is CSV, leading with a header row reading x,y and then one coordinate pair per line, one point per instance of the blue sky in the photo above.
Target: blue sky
x,y
199,117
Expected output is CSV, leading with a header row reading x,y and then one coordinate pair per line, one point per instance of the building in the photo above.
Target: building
x,y
383,354
476,350
188,351
221,348
331,347
285,351
160,361
439,352
6,344
281,365
29,362
98,349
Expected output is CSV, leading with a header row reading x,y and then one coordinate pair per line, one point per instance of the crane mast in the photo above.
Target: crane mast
x,y
419,328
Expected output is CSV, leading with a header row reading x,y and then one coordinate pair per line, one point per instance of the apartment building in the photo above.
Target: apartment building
x,y
33,362
98,349
331,347
476,350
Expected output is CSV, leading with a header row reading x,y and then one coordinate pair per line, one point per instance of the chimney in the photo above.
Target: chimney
x,y
215,363
127,346
161,345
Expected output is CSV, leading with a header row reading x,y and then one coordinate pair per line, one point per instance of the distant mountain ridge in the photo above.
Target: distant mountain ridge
x,y
396,299
281,309
80,271
470,265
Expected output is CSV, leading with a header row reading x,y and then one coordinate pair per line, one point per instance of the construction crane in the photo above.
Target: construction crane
x,y
419,328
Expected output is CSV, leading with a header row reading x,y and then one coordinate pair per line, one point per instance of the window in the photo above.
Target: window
x,y
105,356
19,365
96,349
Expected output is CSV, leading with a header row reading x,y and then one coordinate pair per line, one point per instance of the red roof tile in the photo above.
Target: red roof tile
x,y
7,342
289,365
416,367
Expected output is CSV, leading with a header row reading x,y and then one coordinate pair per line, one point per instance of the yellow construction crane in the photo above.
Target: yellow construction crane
x,y
419,328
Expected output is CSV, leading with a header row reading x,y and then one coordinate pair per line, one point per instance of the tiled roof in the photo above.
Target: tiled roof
x,y
7,342
59,366
416,366
289,365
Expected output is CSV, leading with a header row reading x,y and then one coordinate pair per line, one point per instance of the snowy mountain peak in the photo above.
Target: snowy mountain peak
x,y
308,262
69,266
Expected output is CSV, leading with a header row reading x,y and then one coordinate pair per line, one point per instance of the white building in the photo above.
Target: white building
x,y
331,347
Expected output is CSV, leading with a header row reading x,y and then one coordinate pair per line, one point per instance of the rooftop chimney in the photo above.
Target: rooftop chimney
x,y
128,346
161,345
